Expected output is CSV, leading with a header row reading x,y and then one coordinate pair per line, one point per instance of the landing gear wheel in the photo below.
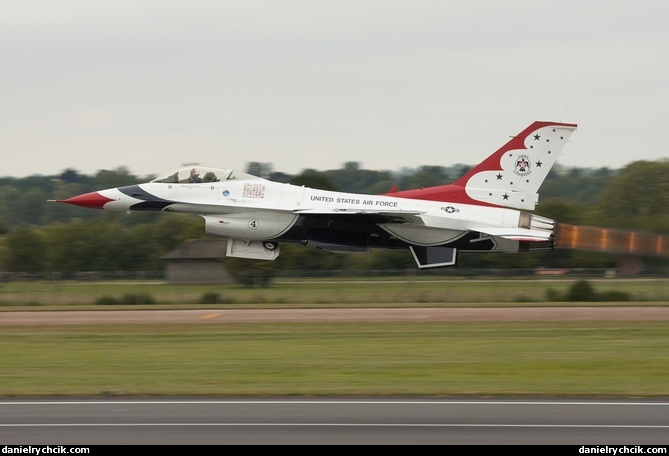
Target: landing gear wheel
x,y
270,245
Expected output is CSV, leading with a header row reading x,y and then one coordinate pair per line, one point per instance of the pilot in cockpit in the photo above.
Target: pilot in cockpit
x,y
194,176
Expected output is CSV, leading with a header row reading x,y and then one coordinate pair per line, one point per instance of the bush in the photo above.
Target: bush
x,y
214,298
210,298
582,291
612,296
137,298
554,295
523,298
106,301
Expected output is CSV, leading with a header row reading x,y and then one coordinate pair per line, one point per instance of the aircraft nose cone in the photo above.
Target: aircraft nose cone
x,y
93,200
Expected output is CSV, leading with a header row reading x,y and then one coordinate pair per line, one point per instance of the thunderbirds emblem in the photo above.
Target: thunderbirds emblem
x,y
522,166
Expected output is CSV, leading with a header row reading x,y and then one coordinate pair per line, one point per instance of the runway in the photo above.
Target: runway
x,y
334,421
338,314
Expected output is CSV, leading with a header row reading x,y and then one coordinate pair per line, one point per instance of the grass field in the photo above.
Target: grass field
x,y
323,293
360,359
311,359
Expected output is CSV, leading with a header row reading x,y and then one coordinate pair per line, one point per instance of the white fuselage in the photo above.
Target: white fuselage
x,y
258,209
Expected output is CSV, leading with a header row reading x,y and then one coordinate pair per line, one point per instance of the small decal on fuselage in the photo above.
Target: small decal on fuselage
x,y
254,191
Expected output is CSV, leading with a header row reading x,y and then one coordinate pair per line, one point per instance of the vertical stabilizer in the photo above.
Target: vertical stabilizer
x,y
511,177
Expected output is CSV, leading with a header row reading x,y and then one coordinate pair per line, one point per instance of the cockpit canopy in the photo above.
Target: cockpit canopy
x,y
196,174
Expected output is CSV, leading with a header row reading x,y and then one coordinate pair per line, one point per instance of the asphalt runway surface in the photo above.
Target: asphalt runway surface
x,y
340,314
335,421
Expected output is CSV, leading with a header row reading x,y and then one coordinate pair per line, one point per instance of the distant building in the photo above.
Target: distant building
x,y
198,261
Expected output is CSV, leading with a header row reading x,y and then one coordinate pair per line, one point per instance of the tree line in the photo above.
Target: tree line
x,y
37,235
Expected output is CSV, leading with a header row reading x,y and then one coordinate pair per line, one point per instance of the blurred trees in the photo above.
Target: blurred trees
x,y
313,179
38,235
577,184
25,251
638,198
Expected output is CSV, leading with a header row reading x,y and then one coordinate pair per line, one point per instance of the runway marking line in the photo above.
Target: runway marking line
x,y
581,426
211,315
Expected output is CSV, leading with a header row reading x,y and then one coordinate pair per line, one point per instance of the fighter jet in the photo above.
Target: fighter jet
x,y
486,210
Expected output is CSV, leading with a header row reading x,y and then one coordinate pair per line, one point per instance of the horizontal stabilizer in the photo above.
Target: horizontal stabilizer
x,y
516,234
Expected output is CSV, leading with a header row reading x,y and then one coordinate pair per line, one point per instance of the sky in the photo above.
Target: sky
x,y
152,85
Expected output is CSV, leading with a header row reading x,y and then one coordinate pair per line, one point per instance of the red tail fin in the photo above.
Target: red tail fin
x,y
511,176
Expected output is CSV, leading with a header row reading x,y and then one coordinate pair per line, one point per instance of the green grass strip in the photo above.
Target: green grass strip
x,y
316,359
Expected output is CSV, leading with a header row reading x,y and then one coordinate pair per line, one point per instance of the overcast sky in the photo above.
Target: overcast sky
x,y
152,85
